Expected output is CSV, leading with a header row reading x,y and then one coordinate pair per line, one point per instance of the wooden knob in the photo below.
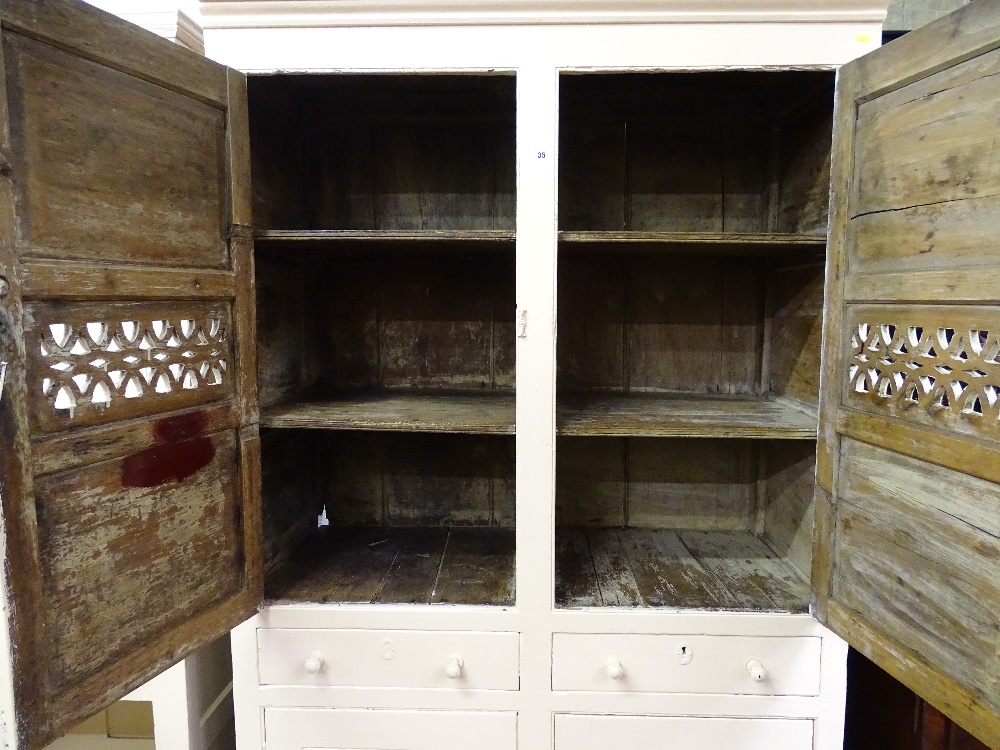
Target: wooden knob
x,y
454,669
756,671
615,669
314,662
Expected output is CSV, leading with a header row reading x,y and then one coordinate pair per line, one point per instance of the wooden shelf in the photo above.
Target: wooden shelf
x,y
461,565
477,413
396,240
685,243
718,570
683,415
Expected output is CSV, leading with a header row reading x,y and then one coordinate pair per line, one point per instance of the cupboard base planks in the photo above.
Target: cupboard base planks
x,y
401,566
626,567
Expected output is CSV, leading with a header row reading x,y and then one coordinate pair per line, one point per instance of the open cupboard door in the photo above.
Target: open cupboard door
x,y
129,455
907,563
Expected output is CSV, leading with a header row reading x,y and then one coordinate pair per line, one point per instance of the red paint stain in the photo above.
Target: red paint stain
x,y
181,427
173,462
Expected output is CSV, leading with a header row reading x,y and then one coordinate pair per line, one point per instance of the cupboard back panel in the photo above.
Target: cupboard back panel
x,y
386,152
385,320
656,483
694,152
658,323
397,479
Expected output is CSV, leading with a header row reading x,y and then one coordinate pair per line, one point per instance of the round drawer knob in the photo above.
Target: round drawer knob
x,y
756,671
614,668
314,662
454,669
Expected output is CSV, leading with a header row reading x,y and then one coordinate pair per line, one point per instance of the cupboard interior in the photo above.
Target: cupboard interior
x,y
387,397
693,210
383,153
709,152
411,518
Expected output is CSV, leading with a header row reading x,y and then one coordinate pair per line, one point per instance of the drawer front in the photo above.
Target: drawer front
x,y
389,658
686,664
579,732
353,729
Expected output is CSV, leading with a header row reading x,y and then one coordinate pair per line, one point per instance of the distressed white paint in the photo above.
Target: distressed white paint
x,y
800,704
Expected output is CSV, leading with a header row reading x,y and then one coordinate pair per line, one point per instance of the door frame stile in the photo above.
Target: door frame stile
x,y
19,542
828,444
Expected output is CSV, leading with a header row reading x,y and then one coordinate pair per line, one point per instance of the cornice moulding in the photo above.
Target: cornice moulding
x,y
217,14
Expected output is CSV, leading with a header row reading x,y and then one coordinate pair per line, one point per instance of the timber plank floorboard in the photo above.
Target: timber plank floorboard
x,y
421,565
717,570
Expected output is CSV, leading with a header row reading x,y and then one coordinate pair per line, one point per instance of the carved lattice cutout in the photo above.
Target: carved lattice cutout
x,y
937,369
100,363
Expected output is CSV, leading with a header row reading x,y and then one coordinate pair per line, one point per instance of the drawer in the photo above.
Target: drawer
x,y
354,729
686,664
579,732
389,658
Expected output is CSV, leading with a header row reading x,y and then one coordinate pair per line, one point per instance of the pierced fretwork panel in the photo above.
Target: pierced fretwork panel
x,y
97,363
938,374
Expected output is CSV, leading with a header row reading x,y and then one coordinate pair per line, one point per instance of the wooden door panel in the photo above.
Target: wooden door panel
x,y
908,503
81,129
129,467
110,577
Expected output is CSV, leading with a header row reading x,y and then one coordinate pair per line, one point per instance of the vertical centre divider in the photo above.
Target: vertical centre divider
x,y
536,255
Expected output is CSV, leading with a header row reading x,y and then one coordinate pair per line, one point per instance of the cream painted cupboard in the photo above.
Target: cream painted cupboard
x,y
504,355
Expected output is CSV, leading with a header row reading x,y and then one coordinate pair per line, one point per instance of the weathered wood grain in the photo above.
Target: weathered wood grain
x,y
615,580
575,575
753,575
54,280
592,296
740,244
683,415
803,189
895,169
677,569
668,574
948,235
61,452
289,501
473,566
84,169
411,577
796,328
436,480
786,515
484,413
142,540
348,565
397,154
691,484
477,568
110,577
916,563
591,487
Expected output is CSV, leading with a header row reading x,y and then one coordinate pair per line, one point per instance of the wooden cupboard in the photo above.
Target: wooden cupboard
x,y
499,381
